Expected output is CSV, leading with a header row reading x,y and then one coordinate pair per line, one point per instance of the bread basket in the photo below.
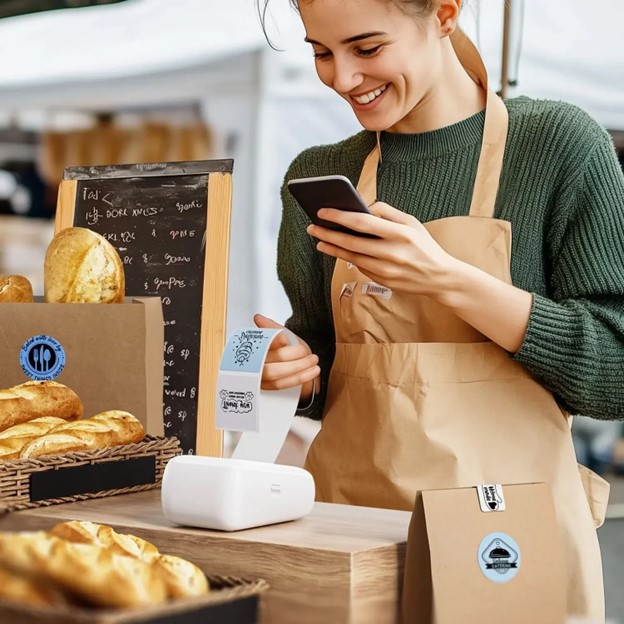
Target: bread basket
x,y
70,477
230,601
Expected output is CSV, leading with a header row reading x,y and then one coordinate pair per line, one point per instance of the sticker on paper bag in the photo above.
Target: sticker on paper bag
x,y
491,497
42,358
499,557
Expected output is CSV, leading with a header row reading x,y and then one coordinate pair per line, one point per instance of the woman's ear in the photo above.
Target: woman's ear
x,y
448,16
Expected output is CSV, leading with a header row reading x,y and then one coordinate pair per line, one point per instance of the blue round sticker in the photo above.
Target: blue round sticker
x,y
42,358
499,557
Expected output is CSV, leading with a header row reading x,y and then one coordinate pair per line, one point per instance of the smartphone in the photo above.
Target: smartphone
x,y
332,191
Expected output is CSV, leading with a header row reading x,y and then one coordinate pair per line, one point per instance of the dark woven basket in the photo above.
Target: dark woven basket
x,y
231,600
15,475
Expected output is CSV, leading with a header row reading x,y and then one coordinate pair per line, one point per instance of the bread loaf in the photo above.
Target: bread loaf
x,y
93,573
81,266
35,399
181,577
111,428
19,588
15,289
14,439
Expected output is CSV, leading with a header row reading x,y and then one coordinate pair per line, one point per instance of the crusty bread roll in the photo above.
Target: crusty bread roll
x,y
92,573
24,589
111,428
81,266
15,289
35,399
14,439
181,577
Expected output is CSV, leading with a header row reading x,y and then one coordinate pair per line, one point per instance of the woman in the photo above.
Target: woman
x,y
454,356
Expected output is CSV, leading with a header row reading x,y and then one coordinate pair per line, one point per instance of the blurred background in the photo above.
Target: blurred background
x,y
130,81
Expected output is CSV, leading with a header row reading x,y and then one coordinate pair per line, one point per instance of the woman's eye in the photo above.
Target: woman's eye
x,y
368,51
321,55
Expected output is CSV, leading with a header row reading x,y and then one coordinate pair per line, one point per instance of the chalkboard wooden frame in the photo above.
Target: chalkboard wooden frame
x,y
209,439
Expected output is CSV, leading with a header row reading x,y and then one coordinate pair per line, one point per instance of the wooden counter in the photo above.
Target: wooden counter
x,y
339,565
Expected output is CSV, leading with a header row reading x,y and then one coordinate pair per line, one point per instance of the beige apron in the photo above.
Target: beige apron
x,y
418,399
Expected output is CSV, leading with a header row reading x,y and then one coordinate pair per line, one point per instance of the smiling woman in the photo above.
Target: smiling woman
x,y
442,355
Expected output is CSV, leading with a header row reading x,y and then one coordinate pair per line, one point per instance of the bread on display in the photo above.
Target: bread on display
x,y
86,563
15,289
111,428
36,399
181,577
81,266
14,439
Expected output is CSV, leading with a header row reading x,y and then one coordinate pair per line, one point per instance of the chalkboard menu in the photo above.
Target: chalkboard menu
x,y
170,225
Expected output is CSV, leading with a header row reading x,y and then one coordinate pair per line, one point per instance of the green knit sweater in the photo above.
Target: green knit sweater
x,y
561,188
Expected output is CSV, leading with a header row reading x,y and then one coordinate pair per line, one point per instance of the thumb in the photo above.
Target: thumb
x,y
265,322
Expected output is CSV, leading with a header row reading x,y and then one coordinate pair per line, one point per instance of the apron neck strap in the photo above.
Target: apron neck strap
x,y
492,147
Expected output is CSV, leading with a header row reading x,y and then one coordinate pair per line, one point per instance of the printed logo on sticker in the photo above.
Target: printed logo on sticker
x,y
491,497
245,350
499,557
42,358
238,402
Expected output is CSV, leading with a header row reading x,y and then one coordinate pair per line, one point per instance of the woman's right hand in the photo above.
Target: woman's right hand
x,y
288,365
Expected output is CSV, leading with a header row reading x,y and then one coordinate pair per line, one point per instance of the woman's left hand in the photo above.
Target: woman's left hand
x,y
404,258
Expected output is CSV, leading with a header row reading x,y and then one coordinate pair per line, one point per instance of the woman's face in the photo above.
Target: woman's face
x,y
381,60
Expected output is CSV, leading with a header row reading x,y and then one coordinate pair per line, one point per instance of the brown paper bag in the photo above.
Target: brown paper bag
x,y
112,355
464,564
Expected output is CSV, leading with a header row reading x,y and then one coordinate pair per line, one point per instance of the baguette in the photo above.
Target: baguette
x,y
24,589
92,573
14,439
81,266
181,577
35,399
104,430
15,289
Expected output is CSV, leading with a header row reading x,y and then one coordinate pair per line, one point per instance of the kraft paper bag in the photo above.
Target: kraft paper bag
x,y
110,355
464,564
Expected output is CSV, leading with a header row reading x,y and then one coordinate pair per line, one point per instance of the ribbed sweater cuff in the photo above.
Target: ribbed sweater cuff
x,y
551,336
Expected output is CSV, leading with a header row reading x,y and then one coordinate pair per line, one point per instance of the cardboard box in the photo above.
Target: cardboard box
x,y
110,355
469,559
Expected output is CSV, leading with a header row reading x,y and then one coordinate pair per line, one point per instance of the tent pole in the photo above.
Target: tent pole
x,y
505,59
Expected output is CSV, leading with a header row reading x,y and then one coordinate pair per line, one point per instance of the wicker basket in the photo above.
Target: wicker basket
x,y
27,483
230,601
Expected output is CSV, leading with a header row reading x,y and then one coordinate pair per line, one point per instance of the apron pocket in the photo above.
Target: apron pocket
x,y
597,492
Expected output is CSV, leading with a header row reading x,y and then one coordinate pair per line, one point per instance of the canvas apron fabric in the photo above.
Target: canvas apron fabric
x,y
418,399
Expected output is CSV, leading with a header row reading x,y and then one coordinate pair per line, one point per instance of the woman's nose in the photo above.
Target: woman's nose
x,y
347,75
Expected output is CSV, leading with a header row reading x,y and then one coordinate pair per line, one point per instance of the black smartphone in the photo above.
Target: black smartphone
x,y
333,191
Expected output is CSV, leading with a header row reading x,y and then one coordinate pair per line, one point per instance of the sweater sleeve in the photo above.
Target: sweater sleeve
x,y
575,337
301,270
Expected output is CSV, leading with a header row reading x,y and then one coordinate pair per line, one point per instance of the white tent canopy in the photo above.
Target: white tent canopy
x,y
269,105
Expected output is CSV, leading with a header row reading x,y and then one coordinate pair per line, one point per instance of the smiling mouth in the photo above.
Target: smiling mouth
x,y
369,97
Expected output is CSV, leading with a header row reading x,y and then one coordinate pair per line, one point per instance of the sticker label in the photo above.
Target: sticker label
x,y
237,404
491,497
245,350
376,290
499,557
42,358
350,265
